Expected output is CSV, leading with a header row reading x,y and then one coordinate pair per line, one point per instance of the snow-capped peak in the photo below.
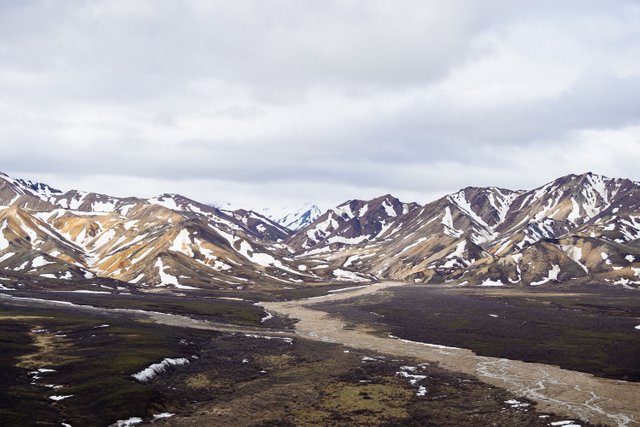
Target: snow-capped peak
x,y
38,189
293,219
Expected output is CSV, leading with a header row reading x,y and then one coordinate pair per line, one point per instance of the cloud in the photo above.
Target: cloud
x,y
268,102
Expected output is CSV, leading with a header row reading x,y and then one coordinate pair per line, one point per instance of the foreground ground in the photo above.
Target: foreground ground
x,y
588,329
570,392
62,364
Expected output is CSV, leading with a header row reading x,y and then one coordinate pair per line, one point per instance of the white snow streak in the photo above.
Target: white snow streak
x,y
491,282
4,243
158,368
447,221
182,243
39,261
553,275
348,276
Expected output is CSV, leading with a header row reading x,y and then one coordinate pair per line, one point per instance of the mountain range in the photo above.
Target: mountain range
x,y
578,228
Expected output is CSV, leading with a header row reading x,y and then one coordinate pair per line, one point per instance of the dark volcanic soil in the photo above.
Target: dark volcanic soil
x,y
231,378
591,331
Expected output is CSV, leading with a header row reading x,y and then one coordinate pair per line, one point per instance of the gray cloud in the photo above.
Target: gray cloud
x,y
277,102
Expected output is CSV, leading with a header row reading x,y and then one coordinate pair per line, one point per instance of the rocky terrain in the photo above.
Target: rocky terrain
x,y
582,228
576,228
84,274
73,239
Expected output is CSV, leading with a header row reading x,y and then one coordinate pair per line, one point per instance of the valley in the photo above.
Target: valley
x,y
572,393
232,369
343,213
487,306
590,330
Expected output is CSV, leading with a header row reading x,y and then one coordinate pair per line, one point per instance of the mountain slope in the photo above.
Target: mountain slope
x,y
262,226
352,222
166,242
578,227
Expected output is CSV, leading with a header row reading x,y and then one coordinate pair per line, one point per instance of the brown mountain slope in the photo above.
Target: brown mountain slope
x,y
557,232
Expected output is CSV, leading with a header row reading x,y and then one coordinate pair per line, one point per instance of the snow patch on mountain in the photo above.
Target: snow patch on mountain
x,y
167,279
39,261
447,221
491,283
575,211
347,240
4,243
553,275
388,207
463,204
575,253
165,200
293,219
182,243
6,256
349,276
459,251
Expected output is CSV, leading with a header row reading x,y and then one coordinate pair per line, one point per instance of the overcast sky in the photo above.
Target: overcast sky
x,y
279,102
